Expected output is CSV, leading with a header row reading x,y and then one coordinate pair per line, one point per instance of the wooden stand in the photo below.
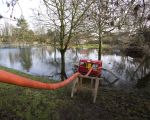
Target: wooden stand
x,y
78,84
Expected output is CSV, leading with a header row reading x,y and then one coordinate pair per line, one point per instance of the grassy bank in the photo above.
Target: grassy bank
x,y
88,46
19,103
106,48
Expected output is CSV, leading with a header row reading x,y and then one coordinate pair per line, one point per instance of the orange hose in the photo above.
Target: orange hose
x,y
10,78
89,72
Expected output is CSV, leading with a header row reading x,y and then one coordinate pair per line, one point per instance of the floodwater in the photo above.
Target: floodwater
x,y
45,61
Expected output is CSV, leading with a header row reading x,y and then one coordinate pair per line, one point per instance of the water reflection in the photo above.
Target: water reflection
x,y
44,62
25,58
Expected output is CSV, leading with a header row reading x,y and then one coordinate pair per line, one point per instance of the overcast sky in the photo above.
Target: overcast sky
x,y
24,9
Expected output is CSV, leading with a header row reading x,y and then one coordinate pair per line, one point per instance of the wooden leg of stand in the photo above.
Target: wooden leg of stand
x,y
74,87
80,83
95,90
92,82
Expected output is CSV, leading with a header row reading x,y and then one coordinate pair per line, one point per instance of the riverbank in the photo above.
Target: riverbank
x,y
21,103
87,46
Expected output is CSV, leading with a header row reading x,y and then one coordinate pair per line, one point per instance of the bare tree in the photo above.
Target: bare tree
x,y
137,23
6,32
65,17
11,6
106,16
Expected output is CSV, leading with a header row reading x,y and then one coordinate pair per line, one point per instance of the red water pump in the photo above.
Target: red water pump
x,y
85,65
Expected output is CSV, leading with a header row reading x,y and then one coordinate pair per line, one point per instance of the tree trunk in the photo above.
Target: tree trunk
x,y
55,50
63,73
100,46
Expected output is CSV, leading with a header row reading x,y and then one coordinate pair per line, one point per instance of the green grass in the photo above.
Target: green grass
x,y
19,103
29,104
88,46
22,73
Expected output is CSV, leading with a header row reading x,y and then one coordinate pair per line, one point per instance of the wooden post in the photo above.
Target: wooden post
x,y
80,83
74,87
92,82
95,90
